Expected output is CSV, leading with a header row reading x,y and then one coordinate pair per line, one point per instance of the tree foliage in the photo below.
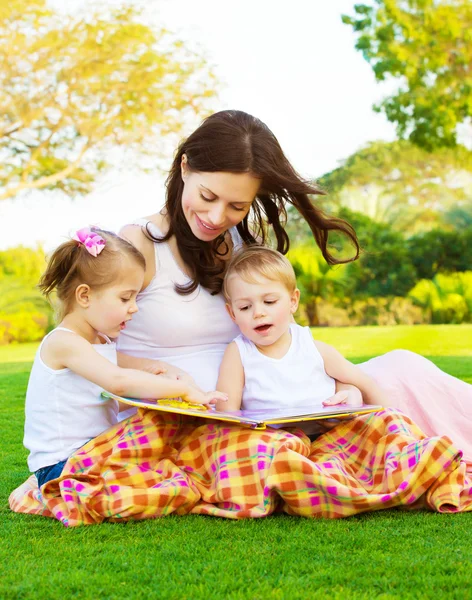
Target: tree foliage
x,y
385,267
440,251
403,185
73,89
22,264
315,278
427,46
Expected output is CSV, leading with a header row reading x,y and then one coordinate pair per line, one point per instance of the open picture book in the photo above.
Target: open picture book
x,y
255,419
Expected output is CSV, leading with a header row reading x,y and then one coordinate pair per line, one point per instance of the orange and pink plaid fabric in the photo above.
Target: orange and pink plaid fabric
x,y
155,464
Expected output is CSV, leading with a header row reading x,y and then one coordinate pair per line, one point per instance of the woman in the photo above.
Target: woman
x,y
229,173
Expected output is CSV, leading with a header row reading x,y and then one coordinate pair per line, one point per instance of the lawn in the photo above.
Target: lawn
x,y
389,554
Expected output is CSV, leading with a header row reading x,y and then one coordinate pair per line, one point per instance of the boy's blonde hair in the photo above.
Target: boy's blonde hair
x,y
255,262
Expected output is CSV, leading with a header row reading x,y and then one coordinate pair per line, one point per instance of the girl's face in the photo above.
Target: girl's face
x,y
263,310
215,202
110,308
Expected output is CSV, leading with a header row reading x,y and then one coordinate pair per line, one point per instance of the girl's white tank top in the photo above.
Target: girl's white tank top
x,y
64,410
298,379
190,332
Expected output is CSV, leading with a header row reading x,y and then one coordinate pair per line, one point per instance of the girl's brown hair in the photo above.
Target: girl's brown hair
x,y
234,141
71,264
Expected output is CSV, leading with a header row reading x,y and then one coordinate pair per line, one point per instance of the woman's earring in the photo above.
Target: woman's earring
x,y
183,167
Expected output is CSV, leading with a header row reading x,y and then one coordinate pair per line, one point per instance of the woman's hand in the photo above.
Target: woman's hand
x,y
198,396
173,372
155,367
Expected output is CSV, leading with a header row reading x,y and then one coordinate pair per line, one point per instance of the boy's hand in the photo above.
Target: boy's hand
x,y
346,397
197,396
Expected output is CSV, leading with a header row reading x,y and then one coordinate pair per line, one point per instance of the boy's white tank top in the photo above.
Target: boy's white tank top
x,y
64,410
190,332
298,379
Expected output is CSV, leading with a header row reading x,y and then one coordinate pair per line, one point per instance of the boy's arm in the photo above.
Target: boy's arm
x,y
354,396
231,379
339,368
76,354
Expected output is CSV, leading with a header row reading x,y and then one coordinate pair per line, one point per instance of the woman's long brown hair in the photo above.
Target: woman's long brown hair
x,y
235,142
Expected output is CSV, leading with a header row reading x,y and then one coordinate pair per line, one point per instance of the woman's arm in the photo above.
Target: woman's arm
x,y
231,379
341,369
135,235
76,354
156,367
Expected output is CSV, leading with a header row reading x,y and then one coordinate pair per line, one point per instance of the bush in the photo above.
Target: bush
x,y
446,298
22,327
371,311
386,311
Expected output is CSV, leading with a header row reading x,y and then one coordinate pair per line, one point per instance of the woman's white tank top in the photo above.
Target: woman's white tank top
x,y
298,379
190,332
64,410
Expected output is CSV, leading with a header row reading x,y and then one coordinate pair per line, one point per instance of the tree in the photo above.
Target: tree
x,y
426,45
72,90
385,267
315,278
22,264
439,251
401,184
460,217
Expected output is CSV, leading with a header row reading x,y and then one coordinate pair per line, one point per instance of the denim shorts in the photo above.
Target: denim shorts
x,y
45,474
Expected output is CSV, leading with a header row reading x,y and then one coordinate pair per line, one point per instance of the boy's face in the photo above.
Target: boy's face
x,y
263,310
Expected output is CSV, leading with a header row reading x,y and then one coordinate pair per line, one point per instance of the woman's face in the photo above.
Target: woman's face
x,y
215,202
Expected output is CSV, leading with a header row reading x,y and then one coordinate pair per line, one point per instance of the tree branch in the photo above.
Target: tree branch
x,y
45,181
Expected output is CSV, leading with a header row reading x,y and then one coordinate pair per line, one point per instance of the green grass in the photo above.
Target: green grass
x,y
389,554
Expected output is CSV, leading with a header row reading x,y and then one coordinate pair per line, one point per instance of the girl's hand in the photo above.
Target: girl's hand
x,y
197,396
346,397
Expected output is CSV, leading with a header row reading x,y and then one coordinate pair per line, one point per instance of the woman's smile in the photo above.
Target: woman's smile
x,y
206,228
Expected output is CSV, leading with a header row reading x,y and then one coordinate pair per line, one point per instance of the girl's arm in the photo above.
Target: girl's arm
x,y
75,353
339,368
231,379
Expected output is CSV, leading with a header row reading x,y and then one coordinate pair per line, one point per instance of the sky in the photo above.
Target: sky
x,y
292,64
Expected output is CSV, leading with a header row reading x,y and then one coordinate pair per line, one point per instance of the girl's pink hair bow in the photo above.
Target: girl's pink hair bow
x,y
93,242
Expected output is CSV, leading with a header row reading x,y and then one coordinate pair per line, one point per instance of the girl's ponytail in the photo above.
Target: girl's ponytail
x,y
61,269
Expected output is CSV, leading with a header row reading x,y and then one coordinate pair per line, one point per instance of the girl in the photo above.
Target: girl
x,y
96,276
275,363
